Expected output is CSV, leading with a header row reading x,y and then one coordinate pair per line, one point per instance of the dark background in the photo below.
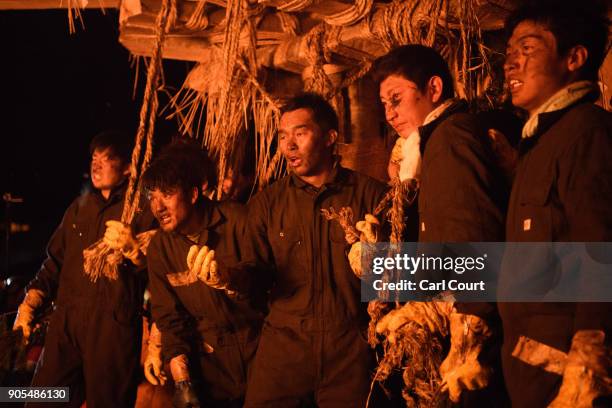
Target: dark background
x,y
58,90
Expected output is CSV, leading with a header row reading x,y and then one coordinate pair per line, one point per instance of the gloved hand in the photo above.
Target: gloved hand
x,y
369,234
153,367
433,316
369,229
201,262
504,153
119,236
461,369
33,299
585,376
185,396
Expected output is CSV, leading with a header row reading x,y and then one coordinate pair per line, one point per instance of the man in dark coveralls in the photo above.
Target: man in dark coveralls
x,y
209,334
462,194
312,348
559,353
93,340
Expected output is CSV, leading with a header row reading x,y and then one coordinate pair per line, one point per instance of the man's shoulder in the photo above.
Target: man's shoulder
x,y
587,115
230,208
363,185
83,201
460,125
160,240
272,190
354,176
232,212
457,129
580,122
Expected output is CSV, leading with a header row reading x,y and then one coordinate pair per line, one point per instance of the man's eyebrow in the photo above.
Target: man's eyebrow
x,y
296,127
391,92
524,37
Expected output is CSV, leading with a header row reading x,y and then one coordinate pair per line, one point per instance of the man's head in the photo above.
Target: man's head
x,y
307,133
552,44
413,80
174,182
110,160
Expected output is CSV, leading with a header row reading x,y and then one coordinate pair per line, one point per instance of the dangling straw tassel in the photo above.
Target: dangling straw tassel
x,y
99,259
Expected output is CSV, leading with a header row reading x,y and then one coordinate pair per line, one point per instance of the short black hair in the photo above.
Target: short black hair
x,y
416,63
119,142
572,23
324,114
179,166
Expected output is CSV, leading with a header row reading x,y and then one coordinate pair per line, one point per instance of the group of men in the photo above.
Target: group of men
x,y
259,306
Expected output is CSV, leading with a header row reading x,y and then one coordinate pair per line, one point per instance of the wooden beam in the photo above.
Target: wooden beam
x,y
53,4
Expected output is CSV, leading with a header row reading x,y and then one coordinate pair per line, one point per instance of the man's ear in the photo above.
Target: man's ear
x,y
435,86
126,170
195,194
332,136
576,58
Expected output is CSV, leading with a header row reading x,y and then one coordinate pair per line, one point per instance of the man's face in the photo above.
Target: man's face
x,y
107,170
406,107
534,71
172,209
303,143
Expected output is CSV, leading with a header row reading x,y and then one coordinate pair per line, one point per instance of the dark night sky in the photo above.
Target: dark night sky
x,y
59,90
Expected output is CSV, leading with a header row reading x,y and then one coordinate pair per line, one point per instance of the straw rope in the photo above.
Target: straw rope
x,y
351,15
99,259
199,19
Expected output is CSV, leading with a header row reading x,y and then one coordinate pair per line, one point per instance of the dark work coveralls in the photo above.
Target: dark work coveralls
x,y
562,192
463,195
463,198
192,314
313,342
93,340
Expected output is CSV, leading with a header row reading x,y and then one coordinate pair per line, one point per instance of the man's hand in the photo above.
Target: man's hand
x,y
470,376
368,228
185,396
432,316
354,258
505,155
25,313
586,374
201,262
461,369
120,237
153,370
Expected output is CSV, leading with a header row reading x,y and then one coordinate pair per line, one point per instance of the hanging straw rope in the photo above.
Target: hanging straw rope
x,y
416,351
74,13
99,259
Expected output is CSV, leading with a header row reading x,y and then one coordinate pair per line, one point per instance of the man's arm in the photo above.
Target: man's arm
x,y
167,310
585,190
47,278
255,270
464,193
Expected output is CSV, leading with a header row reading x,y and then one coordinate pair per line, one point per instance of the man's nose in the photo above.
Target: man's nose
x,y
290,143
156,206
390,113
511,61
